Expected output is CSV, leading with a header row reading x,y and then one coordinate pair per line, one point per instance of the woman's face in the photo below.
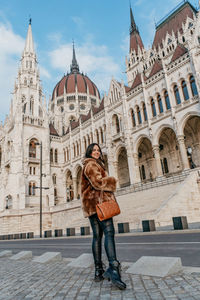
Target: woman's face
x,y
95,152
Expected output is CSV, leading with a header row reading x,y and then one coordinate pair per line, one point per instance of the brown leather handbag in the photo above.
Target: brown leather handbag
x,y
108,209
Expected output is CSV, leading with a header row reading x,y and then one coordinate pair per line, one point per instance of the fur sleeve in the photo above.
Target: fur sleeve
x,y
98,182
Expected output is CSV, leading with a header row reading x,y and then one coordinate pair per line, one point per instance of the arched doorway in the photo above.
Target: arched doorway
x,y
78,180
146,160
192,141
69,186
169,152
123,169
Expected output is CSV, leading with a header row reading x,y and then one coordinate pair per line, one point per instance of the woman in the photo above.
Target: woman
x,y
95,183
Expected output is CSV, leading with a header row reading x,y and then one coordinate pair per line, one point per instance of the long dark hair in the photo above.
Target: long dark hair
x,y
88,153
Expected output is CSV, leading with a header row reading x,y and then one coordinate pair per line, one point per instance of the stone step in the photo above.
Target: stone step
x,y
22,255
156,266
48,257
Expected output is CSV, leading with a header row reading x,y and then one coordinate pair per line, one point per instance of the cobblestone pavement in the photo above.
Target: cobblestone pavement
x,y
29,280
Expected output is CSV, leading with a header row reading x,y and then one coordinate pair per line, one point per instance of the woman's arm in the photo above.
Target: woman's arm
x,y
98,182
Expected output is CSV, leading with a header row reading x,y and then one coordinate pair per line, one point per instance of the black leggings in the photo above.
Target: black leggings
x,y
98,228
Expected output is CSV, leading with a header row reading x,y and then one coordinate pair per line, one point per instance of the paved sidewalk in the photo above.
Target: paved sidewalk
x,y
26,279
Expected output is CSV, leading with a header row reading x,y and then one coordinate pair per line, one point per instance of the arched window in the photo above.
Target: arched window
x,y
55,196
185,90
133,118
85,143
51,155
56,155
54,178
160,105
177,95
144,112
167,102
97,136
116,123
193,86
77,149
153,107
88,138
74,148
32,149
139,115
31,188
101,134
9,202
67,154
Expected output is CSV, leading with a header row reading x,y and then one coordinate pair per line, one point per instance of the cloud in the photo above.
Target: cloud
x,y
10,51
92,59
78,21
44,72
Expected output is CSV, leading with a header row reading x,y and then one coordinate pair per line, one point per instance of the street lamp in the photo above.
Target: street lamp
x,y
40,187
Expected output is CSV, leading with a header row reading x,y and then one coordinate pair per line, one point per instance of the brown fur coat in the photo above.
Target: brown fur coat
x,y
94,180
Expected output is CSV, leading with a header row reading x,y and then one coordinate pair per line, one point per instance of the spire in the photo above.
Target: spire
x,y
135,39
133,27
74,66
29,47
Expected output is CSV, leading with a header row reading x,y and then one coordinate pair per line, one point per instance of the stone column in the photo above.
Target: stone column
x,y
75,187
136,174
116,172
183,152
157,160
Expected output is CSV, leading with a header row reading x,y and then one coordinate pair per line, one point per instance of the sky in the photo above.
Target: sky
x,y
99,28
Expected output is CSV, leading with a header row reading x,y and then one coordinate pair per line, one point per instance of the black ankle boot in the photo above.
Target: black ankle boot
x,y
98,272
113,274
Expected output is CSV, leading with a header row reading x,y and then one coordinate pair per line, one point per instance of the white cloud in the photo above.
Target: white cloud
x,y
92,59
10,51
44,72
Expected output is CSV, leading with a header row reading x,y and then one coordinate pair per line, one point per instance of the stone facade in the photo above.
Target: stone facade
x,y
148,130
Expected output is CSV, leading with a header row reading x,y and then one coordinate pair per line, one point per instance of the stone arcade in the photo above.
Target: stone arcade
x,y
149,130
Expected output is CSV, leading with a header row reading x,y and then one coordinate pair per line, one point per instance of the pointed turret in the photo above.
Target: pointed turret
x,y
29,46
74,66
135,39
28,90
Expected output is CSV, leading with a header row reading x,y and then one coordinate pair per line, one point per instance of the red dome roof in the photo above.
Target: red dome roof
x,y
73,80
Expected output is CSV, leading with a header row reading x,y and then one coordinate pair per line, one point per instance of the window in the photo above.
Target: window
x,y
51,155
177,95
153,107
133,118
32,149
31,188
116,122
144,112
167,102
101,134
185,90
54,178
160,105
8,202
193,86
139,115
56,155
97,136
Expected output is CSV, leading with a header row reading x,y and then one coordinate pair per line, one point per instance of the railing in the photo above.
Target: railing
x,y
141,186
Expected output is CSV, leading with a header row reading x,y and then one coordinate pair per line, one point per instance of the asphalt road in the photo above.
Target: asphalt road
x,y
129,247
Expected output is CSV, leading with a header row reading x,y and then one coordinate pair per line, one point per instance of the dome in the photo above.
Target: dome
x,y
75,82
